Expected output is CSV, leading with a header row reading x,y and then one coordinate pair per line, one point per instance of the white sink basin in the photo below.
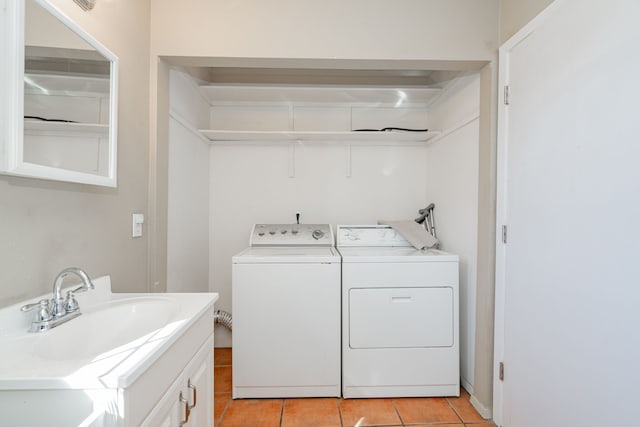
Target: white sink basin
x,y
105,328
114,340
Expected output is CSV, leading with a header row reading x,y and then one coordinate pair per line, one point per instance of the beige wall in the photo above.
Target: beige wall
x,y
332,29
514,14
45,225
483,372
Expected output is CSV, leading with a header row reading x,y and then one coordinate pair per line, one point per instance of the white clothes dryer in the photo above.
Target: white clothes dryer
x,y
399,316
286,313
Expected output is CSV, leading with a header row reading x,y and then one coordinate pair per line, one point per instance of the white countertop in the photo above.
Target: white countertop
x,y
110,345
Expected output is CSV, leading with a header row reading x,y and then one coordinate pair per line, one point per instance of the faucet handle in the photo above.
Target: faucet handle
x,y
71,303
43,313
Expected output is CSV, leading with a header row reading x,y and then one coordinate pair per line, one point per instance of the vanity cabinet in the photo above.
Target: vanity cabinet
x,y
123,363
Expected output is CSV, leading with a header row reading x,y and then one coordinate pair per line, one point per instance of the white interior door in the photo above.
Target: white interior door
x,y
568,278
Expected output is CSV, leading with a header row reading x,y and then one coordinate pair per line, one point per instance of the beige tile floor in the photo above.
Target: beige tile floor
x,y
334,412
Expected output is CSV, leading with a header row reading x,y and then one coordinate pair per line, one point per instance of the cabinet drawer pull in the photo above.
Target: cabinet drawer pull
x,y
400,300
187,409
195,393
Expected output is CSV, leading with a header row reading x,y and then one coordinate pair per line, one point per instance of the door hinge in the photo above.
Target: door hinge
x,y
504,234
506,95
501,372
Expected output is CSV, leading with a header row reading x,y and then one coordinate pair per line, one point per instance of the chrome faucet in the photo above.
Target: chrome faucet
x,y
58,310
59,305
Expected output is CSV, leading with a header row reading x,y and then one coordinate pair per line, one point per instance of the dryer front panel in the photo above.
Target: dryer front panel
x,y
400,334
401,317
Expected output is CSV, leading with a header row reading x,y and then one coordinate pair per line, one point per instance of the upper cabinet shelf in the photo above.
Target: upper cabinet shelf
x,y
353,95
320,136
322,113
66,84
67,128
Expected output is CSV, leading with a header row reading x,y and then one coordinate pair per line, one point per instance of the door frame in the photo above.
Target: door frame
x,y
501,201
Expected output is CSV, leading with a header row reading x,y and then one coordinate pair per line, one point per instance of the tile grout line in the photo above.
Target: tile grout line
x,y
282,402
224,411
393,403
338,402
446,399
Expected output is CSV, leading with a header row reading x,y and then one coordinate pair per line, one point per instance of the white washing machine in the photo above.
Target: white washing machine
x,y
286,313
399,316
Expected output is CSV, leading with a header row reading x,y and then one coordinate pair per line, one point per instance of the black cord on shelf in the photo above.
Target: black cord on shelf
x,y
390,129
49,120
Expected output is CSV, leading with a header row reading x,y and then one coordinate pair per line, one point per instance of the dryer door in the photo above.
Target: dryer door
x,y
401,317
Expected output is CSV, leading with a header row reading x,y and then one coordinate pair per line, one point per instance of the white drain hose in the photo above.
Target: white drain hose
x,y
224,318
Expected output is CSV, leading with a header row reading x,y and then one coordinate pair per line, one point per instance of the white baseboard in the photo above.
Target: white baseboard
x,y
484,411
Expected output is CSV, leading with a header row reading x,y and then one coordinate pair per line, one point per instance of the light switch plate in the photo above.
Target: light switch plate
x,y
137,219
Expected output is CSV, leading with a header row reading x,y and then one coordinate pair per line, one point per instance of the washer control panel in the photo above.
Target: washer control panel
x,y
291,235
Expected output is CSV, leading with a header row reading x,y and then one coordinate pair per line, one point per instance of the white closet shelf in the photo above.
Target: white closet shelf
x,y
65,127
249,93
344,136
58,83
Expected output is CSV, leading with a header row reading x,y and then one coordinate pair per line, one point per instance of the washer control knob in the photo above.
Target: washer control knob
x,y
317,234
272,232
261,234
294,231
283,232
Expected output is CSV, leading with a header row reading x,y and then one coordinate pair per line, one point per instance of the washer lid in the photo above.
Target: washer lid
x,y
394,254
287,255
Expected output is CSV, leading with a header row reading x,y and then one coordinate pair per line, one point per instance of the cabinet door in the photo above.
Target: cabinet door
x,y
198,387
195,387
168,411
168,419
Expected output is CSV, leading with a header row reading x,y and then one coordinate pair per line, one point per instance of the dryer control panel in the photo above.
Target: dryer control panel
x,y
369,235
291,235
